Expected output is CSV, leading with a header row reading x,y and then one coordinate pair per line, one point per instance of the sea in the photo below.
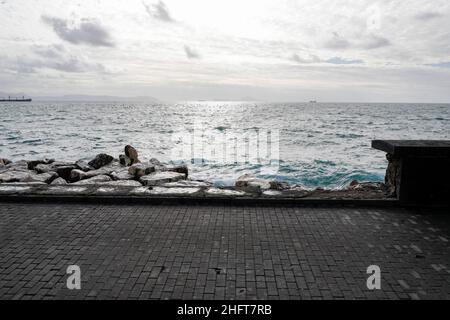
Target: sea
x,y
310,144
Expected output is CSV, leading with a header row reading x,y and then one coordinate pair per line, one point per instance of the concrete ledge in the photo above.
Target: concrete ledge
x,y
425,148
167,200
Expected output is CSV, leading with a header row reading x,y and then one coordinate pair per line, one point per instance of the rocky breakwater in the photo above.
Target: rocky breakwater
x,y
128,175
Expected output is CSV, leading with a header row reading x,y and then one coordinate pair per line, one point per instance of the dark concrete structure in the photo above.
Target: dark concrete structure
x,y
418,170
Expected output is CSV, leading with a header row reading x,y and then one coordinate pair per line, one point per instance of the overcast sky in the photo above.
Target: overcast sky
x,y
280,50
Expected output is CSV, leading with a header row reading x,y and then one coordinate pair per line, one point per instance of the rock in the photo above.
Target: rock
x,y
61,164
15,176
217,192
141,169
368,186
124,160
59,181
77,175
278,185
155,162
296,192
132,154
353,184
100,160
179,169
187,183
121,183
41,168
158,178
34,163
83,165
393,175
250,183
46,177
189,191
64,171
105,170
4,162
272,193
93,180
121,175
21,165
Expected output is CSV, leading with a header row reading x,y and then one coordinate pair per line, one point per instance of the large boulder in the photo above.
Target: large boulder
x,y
179,169
188,183
46,177
64,171
124,160
83,165
4,162
15,176
141,169
100,160
77,175
250,183
278,185
32,164
59,181
41,168
159,178
121,174
93,180
20,165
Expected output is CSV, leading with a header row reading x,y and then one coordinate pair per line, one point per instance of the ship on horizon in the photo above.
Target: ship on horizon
x,y
23,99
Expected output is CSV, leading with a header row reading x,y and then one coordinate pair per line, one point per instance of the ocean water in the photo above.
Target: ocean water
x,y
320,144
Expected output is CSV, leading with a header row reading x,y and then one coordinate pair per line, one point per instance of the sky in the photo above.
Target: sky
x,y
269,50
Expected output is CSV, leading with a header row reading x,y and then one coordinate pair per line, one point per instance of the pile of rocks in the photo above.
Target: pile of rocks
x,y
103,169
128,175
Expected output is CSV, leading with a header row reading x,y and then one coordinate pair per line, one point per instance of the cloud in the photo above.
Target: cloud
x,y
315,59
190,53
89,32
158,11
428,15
54,57
375,42
337,42
309,59
440,65
338,60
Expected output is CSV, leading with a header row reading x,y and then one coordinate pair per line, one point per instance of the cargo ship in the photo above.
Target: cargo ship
x,y
23,99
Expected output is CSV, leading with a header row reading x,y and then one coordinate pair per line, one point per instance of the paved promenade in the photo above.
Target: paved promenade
x,y
221,252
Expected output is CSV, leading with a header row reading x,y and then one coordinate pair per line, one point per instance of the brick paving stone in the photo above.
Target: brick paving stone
x,y
221,252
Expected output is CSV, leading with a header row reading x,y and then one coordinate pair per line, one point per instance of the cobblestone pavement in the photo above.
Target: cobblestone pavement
x,y
221,252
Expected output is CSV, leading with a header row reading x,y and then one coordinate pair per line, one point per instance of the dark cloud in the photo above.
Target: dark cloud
x,y
190,53
88,32
428,15
158,11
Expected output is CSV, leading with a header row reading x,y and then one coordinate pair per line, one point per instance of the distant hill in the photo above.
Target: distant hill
x,y
94,98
